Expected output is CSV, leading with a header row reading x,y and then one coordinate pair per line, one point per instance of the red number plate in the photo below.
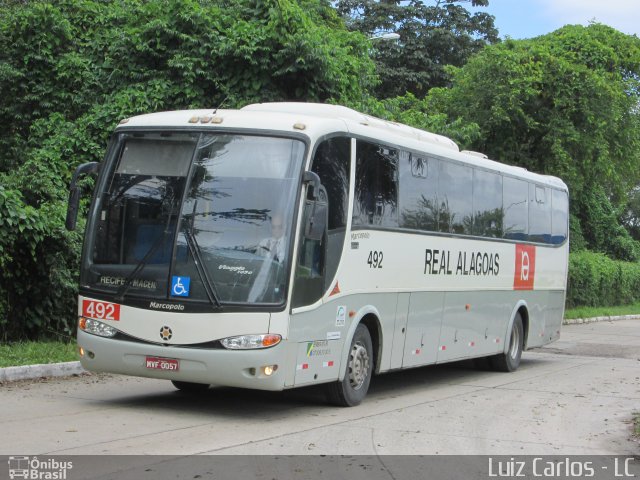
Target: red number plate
x,y
157,363
100,310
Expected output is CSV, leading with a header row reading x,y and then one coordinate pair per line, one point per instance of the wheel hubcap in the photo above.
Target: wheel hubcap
x,y
358,365
515,343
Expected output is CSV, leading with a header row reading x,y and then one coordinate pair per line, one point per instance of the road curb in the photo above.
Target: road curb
x,y
608,318
26,372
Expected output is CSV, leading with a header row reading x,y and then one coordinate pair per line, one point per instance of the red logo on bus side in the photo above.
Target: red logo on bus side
x,y
525,267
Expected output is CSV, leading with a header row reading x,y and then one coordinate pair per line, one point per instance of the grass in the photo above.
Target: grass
x,y
33,353
590,312
636,424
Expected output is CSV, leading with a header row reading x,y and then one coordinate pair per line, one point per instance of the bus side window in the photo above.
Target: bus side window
x,y
515,209
455,186
559,217
318,260
418,192
376,195
487,204
539,214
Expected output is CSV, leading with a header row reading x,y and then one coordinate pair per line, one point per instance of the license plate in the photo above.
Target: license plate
x,y
157,363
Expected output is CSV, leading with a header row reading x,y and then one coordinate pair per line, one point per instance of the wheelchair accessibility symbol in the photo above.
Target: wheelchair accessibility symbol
x,y
180,286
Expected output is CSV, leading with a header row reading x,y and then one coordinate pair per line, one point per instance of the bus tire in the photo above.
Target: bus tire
x,y
190,387
508,362
353,388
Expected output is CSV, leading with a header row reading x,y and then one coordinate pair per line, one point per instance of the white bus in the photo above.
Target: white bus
x,y
290,244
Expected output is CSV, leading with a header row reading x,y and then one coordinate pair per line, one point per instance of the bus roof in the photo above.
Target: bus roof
x,y
316,120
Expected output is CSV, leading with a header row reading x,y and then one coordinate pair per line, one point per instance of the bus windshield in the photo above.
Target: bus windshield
x,y
195,217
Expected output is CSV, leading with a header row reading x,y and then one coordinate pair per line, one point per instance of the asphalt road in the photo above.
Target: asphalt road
x,y
575,397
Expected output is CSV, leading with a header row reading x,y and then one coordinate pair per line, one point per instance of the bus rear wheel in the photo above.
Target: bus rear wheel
x,y
190,387
353,388
508,362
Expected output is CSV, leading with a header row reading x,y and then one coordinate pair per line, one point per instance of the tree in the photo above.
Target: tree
x,y
564,104
70,70
419,113
631,214
432,35
71,56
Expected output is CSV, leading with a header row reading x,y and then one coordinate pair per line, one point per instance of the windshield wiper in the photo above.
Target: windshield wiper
x,y
194,248
124,288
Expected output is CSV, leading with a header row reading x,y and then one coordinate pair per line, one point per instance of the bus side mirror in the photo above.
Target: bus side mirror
x,y
317,215
74,193
314,180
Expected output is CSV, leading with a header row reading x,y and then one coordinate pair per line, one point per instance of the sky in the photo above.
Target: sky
x,y
530,18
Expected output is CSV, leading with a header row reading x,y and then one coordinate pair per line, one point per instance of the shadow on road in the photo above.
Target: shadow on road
x,y
248,404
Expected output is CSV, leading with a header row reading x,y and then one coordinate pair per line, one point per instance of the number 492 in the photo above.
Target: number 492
x,y
100,310
375,259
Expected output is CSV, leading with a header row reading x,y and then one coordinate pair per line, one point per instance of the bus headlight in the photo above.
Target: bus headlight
x,y
248,342
96,328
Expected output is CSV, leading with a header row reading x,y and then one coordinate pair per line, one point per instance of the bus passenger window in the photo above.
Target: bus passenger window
x,y
454,198
418,192
539,214
515,209
376,195
487,204
559,217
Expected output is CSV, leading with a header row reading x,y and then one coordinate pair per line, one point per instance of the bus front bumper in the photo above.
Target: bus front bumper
x,y
233,368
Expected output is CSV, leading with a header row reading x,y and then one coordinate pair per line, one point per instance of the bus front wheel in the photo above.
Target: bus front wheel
x,y
508,362
354,386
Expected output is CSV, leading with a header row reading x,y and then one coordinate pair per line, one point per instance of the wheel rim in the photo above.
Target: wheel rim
x,y
358,365
514,346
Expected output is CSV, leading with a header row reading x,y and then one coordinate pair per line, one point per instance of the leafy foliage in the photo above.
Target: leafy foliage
x,y
433,35
564,104
37,284
419,113
630,217
596,281
71,69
